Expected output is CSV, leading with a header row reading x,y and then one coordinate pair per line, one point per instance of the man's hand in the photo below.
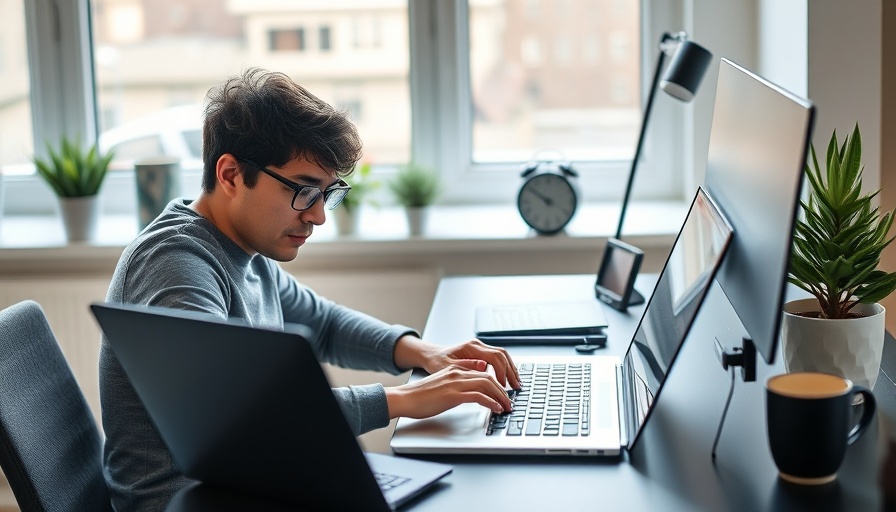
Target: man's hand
x,y
447,388
411,352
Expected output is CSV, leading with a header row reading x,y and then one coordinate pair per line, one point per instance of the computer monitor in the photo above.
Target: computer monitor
x,y
757,152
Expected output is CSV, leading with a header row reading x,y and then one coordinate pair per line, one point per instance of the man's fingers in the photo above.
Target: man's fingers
x,y
499,358
483,383
483,400
472,364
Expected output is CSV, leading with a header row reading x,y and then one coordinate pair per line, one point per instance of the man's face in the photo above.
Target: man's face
x,y
262,217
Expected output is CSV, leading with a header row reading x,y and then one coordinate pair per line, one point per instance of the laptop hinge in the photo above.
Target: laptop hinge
x,y
623,409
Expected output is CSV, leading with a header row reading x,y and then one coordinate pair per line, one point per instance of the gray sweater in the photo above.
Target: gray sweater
x,y
183,261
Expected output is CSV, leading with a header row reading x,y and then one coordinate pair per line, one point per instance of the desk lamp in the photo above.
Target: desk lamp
x,y
681,81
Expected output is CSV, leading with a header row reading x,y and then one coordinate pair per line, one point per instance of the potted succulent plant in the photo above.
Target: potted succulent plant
x,y
416,188
837,247
362,185
75,175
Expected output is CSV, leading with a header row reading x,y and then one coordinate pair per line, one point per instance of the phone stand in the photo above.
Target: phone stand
x,y
615,285
635,298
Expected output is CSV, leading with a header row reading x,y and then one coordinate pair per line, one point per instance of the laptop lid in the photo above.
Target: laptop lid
x,y
245,408
672,308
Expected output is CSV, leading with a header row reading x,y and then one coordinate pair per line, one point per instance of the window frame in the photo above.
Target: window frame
x,y
441,124
59,45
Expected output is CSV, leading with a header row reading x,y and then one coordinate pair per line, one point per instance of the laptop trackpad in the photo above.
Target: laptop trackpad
x,y
465,419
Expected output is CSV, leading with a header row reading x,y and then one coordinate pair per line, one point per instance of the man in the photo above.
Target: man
x,y
273,159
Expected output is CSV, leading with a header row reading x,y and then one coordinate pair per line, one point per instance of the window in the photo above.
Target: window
x,y
324,38
366,31
155,108
536,99
287,40
16,140
508,97
620,49
472,88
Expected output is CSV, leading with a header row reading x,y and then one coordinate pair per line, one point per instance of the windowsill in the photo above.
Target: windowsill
x,y
30,242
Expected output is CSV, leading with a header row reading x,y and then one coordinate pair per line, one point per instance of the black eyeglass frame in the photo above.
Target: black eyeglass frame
x,y
339,186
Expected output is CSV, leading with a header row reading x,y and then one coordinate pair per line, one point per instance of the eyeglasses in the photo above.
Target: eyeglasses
x,y
306,195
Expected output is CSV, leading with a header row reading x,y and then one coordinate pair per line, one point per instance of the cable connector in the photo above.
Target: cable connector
x,y
743,357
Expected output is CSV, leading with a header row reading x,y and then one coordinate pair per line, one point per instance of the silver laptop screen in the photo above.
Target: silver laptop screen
x,y
679,292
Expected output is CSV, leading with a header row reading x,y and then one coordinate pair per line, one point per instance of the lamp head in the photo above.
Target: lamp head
x,y
685,72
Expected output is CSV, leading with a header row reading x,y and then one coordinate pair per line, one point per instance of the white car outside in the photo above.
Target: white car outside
x,y
175,131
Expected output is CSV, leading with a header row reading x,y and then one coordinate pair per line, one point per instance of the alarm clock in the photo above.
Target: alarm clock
x,y
548,198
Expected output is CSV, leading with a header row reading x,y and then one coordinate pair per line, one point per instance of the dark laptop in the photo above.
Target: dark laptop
x,y
250,409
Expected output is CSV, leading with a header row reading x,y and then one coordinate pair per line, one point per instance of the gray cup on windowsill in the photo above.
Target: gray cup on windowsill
x,y
158,182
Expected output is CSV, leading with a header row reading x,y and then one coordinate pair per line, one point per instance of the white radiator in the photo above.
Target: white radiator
x,y
396,297
65,302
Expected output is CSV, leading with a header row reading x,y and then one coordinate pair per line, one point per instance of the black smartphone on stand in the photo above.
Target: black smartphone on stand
x,y
615,285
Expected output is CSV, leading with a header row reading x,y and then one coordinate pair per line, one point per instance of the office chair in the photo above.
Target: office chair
x,y
50,447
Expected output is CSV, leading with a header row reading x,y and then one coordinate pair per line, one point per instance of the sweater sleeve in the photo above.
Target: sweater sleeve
x,y
350,339
341,336
364,407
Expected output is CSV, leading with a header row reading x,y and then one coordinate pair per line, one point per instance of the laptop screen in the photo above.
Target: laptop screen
x,y
671,310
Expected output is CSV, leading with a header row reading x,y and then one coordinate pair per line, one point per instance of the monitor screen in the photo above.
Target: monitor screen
x,y
757,151
671,309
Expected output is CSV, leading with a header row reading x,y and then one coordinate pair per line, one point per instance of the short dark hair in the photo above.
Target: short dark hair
x,y
269,119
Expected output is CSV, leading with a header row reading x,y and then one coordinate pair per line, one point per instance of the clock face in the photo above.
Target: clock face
x,y
547,202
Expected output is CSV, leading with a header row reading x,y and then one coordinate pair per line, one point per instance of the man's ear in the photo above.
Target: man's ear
x,y
227,172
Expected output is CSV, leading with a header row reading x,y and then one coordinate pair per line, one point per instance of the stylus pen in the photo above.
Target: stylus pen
x,y
560,339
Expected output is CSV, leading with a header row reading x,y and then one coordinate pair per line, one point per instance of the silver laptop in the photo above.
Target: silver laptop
x,y
250,410
590,405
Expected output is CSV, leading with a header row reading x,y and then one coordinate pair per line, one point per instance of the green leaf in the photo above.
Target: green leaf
x,y
878,288
840,236
415,186
362,184
71,171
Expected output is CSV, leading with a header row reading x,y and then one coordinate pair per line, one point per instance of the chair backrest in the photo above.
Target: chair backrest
x,y
50,447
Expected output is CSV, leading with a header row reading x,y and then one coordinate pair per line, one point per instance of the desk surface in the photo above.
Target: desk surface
x,y
671,466
670,469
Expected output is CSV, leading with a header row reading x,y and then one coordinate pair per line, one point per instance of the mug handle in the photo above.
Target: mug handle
x,y
868,408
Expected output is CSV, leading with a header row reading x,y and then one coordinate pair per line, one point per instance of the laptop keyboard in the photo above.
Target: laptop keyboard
x,y
555,400
388,482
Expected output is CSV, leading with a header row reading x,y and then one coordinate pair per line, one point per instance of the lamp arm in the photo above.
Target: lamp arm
x,y
647,109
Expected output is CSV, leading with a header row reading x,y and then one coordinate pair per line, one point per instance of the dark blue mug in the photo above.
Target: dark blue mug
x,y
810,423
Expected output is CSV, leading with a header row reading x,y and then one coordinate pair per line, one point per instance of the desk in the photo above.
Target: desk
x,y
670,469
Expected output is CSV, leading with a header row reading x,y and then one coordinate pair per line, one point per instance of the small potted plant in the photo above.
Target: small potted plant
x,y
837,247
75,175
363,185
416,188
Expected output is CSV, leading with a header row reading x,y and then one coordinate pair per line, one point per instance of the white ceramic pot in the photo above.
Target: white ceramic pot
x,y
417,217
80,217
346,220
850,348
